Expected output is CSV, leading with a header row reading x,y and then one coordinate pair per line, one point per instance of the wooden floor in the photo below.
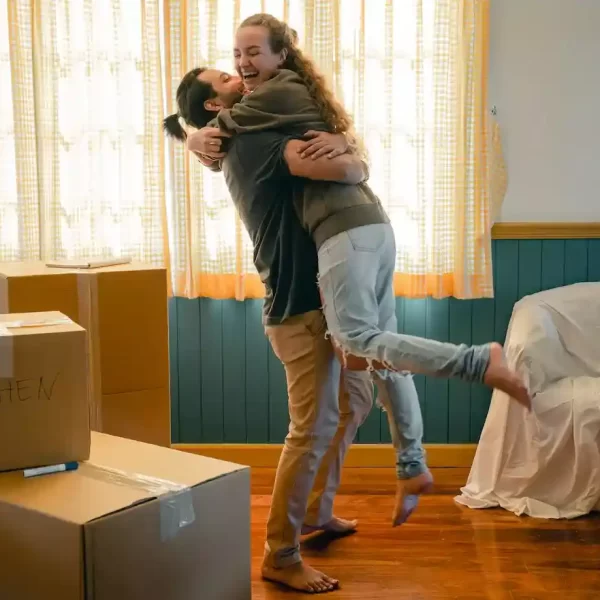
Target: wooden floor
x,y
444,551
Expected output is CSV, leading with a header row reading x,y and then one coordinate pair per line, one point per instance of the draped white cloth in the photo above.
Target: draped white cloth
x,y
546,464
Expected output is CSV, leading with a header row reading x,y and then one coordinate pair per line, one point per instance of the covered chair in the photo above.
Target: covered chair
x,y
546,464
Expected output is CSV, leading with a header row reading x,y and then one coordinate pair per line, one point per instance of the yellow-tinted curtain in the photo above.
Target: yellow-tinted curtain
x,y
81,150
85,171
414,76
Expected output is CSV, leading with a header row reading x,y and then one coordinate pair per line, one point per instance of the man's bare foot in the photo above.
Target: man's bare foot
x,y
301,577
500,377
407,496
336,525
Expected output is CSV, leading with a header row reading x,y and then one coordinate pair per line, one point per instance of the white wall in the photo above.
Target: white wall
x,y
545,83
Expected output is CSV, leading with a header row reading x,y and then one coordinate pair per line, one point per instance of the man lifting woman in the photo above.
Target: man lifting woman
x,y
309,215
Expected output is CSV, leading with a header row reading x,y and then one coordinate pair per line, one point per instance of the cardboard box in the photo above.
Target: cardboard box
x,y
33,287
138,415
124,309
44,413
121,528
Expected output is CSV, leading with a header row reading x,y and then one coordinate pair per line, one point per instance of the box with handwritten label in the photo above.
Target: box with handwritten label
x,y
44,412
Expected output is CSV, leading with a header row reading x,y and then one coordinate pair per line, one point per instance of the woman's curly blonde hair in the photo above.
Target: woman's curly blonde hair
x,y
282,37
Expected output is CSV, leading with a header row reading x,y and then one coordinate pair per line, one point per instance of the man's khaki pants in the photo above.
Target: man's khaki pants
x,y
321,431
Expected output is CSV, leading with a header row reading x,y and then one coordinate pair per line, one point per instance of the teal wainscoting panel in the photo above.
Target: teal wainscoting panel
x,y
460,326
436,415
553,264
228,386
576,261
190,347
211,365
506,288
234,371
593,260
256,351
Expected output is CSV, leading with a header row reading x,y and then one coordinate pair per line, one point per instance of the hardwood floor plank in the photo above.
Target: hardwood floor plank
x,y
445,550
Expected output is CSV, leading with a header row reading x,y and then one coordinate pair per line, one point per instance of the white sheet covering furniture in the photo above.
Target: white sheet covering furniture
x,y
546,464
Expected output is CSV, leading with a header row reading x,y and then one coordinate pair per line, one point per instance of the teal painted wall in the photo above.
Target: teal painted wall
x,y
227,386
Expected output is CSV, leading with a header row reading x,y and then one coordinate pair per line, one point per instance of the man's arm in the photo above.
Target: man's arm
x,y
347,168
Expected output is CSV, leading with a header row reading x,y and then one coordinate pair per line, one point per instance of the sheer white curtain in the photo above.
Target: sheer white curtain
x,y
80,141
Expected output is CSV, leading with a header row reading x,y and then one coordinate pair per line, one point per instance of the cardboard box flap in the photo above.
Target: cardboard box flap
x,y
24,269
36,322
155,461
37,268
121,473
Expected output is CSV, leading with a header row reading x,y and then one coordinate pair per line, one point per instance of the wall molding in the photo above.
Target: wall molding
x,y
545,231
359,455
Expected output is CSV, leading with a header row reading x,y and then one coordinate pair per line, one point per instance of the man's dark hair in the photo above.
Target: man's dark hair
x,y
191,96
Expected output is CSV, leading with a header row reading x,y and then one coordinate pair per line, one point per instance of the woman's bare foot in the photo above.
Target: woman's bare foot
x,y
407,496
301,577
336,525
500,377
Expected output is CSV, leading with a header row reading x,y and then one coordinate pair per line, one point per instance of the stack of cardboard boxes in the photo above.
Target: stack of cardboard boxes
x,y
130,520
124,310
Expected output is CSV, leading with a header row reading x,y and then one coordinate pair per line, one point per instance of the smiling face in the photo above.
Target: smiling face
x,y
254,58
228,88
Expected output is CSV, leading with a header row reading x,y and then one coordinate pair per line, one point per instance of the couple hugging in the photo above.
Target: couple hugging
x,y
325,251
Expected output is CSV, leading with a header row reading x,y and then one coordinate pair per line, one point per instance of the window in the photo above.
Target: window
x,y
75,177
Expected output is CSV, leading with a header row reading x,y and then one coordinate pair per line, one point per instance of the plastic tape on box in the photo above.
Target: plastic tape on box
x,y
39,323
175,499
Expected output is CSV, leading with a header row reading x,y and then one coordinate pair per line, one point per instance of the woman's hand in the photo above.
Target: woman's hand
x,y
206,142
205,160
321,143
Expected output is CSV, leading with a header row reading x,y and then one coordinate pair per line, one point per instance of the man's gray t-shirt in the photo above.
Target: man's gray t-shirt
x,y
264,194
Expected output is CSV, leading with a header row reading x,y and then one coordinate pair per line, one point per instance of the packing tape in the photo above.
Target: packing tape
x,y
40,323
175,499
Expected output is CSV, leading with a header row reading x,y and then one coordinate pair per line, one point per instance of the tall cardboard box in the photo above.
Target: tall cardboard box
x,y
44,418
124,309
138,522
